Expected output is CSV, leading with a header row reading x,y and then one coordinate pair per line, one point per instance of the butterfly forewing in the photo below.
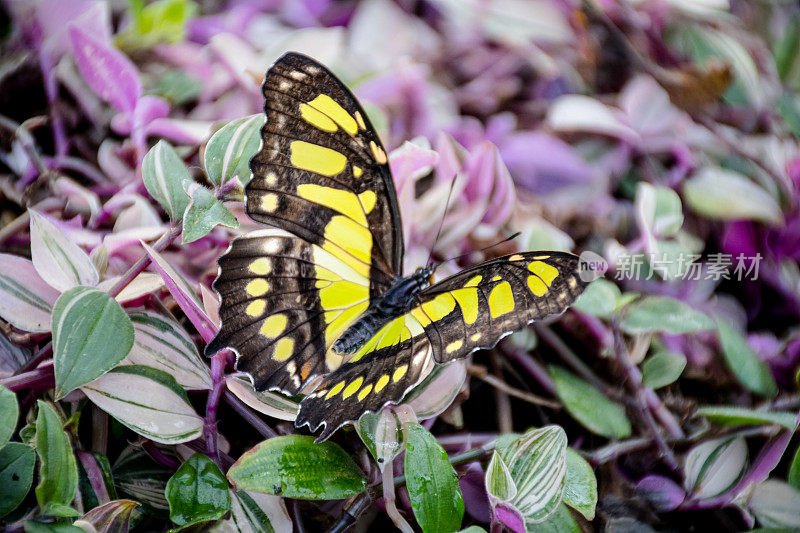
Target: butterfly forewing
x,y
322,172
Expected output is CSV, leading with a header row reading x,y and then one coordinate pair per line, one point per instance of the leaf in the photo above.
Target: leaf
x,y
499,483
12,357
589,406
437,391
165,177
59,261
575,112
775,504
740,416
295,467
160,342
255,512
148,401
271,404
580,485
95,480
723,194
108,71
26,300
751,371
111,517
662,493
16,475
658,209
537,463
203,214
229,150
184,295
58,472
713,467
163,21
138,476
197,492
599,298
660,313
382,434
793,477
788,106
432,483
561,521
9,413
85,319
662,368
32,526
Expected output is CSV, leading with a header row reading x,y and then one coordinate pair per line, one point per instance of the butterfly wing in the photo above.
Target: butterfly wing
x,y
468,311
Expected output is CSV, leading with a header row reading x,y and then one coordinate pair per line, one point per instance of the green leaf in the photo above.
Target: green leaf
x,y
204,213
113,516
662,368
589,406
599,298
16,475
9,413
432,483
148,401
382,434
789,110
295,467
723,194
660,313
91,335
177,86
472,529
561,521
658,209
197,492
713,467
229,150
162,21
787,49
41,527
740,416
256,512
751,371
499,483
580,487
58,473
793,477
165,177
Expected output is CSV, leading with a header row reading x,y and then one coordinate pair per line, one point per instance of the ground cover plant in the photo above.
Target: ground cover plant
x,y
658,138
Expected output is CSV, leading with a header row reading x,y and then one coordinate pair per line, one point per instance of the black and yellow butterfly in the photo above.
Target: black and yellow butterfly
x,y
325,294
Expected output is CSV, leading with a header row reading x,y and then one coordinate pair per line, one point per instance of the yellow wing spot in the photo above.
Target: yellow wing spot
x,y
363,392
350,242
352,388
339,200
475,337
357,171
335,390
298,74
399,373
496,278
516,257
315,158
572,282
360,120
257,287
468,302
271,179
260,266
337,113
381,383
283,349
474,281
305,370
547,272
453,346
274,325
317,119
537,286
367,199
256,308
269,202
434,310
501,300
542,257
377,151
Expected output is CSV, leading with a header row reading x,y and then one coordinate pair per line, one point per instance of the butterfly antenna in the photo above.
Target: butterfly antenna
x,y
498,243
441,222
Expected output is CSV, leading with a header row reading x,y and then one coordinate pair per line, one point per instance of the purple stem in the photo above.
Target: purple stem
x,y
39,378
218,363
251,418
159,456
95,476
532,367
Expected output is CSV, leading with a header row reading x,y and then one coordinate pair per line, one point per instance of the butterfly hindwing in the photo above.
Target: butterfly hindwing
x,y
322,172
284,302
468,311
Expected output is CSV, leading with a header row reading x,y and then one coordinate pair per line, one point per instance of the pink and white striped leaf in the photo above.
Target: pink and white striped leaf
x,y
26,300
59,261
269,403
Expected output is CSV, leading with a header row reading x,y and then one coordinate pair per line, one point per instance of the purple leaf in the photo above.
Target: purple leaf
x,y
184,295
55,17
473,489
181,131
510,517
108,71
663,493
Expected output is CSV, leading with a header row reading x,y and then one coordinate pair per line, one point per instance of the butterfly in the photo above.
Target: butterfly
x,y
321,295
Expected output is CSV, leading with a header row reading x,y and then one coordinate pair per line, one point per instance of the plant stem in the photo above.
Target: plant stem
x,y
218,363
251,418
571,358
389,499
143,262
39,378
482,374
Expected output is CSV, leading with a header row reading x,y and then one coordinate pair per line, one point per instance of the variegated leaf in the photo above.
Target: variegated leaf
x,y
715,466
59,261
26,300
438,390
160,342
148,401
255,512
228,153
269,403
164,175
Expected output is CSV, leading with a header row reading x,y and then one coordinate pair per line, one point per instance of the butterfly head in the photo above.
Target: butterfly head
x,y
424,275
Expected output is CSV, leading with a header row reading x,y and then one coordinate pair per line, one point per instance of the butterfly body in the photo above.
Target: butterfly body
x,y
396,301
322,294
